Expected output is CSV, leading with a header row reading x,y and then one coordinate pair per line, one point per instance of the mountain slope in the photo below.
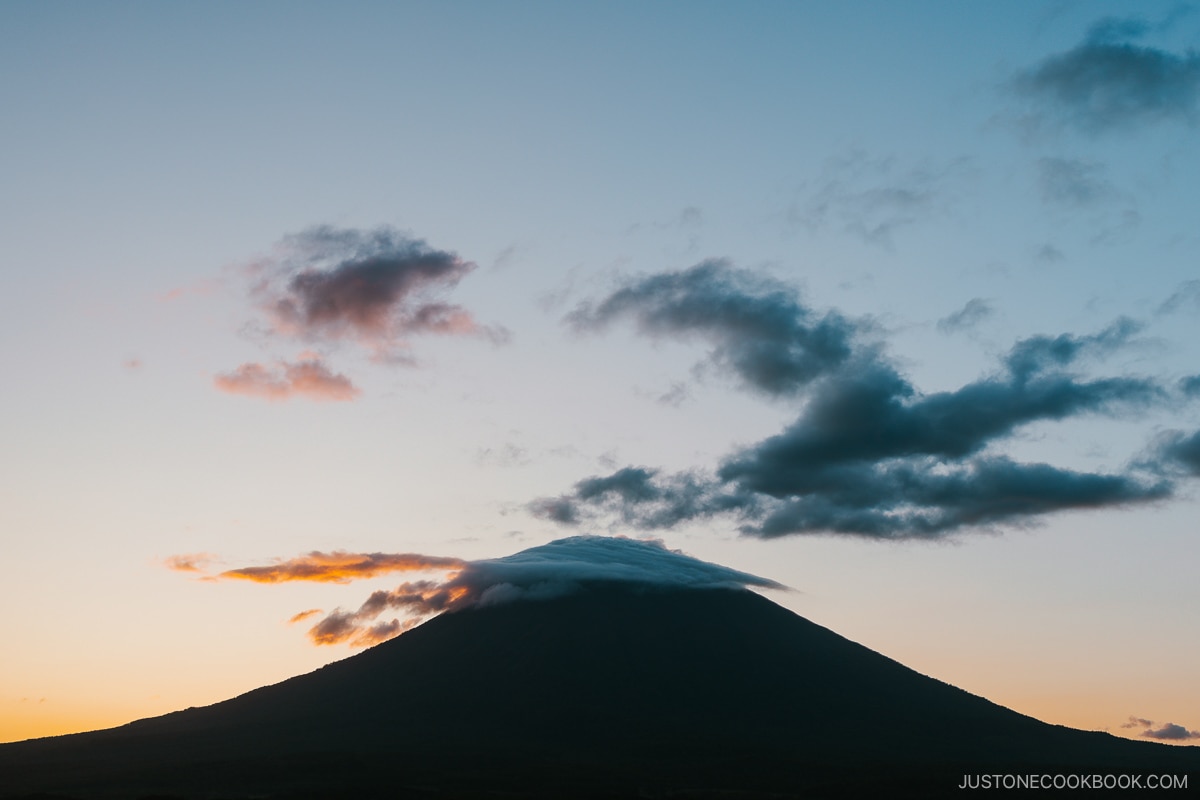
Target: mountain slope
x,y
614,689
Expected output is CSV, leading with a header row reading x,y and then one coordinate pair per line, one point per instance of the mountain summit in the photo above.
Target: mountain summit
x,y
613,689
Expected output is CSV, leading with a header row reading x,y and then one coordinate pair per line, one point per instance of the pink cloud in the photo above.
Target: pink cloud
x,y
376,288
307,378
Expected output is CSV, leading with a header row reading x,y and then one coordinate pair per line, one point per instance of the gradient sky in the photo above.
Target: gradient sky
x,y
893,304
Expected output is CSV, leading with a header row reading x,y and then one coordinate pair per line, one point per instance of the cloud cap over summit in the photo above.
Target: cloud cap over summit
x,y
564,565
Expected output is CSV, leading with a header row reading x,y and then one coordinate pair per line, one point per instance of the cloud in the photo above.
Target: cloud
x,y
343,627
1171,732
869,454
340,567
758,328
1049,253
190,562
1073,182
975,311
1167,732
374,287
676,395
1107,82
1186,296
551,570
506,455
1037,354
306,378
872,198
303,615
1137,722
1181,451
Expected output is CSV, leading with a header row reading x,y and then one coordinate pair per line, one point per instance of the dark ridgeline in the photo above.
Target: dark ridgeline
x,y
612,692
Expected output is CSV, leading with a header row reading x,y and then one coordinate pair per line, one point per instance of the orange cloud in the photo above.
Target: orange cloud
x,y
550,570
189,562
417,598
342,627
341,567
306,378
303,615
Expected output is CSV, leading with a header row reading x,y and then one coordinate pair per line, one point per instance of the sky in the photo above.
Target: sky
x,y
309,310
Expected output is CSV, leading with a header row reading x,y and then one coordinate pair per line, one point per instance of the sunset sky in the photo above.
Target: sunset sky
x,y
311,311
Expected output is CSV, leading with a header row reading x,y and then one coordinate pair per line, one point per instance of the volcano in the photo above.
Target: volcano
x,y
611,691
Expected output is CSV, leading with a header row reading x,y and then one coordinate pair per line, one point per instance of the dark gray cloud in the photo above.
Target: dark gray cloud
x,y
1073,182
759,328
975,311
550,570
1112,30
1108,82
1037,354
1171,732
929,498
376,287
869,454
1182,451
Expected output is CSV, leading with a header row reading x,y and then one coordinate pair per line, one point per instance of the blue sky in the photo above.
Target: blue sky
x,y
947,179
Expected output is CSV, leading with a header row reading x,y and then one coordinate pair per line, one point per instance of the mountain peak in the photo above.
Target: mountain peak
x,y
616,688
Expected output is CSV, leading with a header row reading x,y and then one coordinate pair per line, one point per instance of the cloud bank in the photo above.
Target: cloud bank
x,y
869,454
551,570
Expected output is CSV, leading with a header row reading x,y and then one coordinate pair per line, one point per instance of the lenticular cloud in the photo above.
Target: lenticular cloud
x,y
565,564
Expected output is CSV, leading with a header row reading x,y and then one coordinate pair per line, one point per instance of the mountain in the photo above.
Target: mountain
x,y
613,691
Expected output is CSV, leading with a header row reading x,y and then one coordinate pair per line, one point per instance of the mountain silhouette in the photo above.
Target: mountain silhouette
x,y
612,691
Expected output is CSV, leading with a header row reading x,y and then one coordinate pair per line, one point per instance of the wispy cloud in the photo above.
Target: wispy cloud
x,y
375,287
551,570
1109,81
871,198
1186,296
1137,722
340,567
190,562
974,312
306,378
869,454
1073,181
